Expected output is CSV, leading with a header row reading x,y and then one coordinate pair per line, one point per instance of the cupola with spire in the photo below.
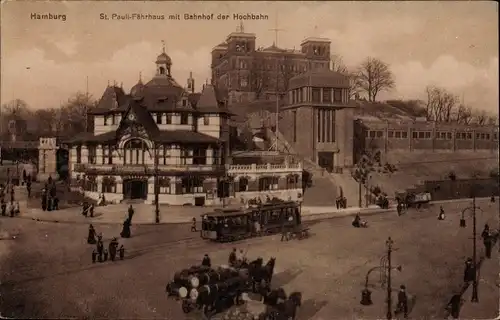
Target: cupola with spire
x,y
137,90
163,63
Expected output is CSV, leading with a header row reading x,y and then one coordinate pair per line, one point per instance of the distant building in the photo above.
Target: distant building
x,y
248,72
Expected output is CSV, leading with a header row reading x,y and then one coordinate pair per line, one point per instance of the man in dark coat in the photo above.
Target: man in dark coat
x,y
113,246
232,258
12,194
487,240
206,261
28,188
193,226
469,272
55,203
91,236
91,210
284,232
130,213
454,306
100,248
126,229
402,301
44,201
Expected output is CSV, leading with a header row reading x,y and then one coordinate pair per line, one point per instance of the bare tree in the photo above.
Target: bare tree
x,y
464,114
441,104
337,64
373,77
259,76
481,117
286,72
73,114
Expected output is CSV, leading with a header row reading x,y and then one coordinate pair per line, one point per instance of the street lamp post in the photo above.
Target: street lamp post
x,y
157,200
389,244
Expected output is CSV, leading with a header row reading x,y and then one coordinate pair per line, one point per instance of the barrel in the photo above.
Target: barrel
x,y
206,289
204,278
184,277
177,290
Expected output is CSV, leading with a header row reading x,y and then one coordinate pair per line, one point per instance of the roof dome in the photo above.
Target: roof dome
x,y
137,89
163,58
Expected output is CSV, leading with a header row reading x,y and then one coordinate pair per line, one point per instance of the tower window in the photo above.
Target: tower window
x,y
162,70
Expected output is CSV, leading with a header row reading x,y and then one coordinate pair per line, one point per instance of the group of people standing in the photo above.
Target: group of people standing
x,y
100,254
50,200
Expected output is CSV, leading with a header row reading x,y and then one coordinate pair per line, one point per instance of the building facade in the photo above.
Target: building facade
x,y
317,119
166,140
423,135
248,72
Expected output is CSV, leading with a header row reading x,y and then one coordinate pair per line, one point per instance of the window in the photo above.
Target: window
x,y
316,95
404,134
78,154
390,134
134,151
487,136
92,154
108,185
243,184
199,156
169,118
398,134
380,134
372,134
268,183
217,157
158,118
337,95
113,119
192,185
421,135
448,135
367,133
186,156
184,102
167,153
427,135
292,182
206,120
106,120
495,136
468,136
327,95
415,135
184,118
107,155
164,186
243,82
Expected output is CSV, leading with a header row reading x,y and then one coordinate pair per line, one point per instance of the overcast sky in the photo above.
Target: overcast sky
x,y
449,44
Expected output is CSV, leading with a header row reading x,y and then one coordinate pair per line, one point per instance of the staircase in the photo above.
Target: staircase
x,y
325,186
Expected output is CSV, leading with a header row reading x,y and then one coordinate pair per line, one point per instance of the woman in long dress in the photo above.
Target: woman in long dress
x,y
91,236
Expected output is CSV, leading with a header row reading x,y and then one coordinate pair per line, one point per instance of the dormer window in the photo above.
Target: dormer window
x,y
206,120
184,102
162,70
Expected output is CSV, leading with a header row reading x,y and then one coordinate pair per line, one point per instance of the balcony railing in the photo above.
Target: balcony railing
x,y
265,168
144,169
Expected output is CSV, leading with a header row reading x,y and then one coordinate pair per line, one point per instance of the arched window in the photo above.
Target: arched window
x,y
268,183
292,181
134,151
108,185
243,184
162,70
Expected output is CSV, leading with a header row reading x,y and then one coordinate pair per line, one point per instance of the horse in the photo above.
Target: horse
x,y
286,310
263,275
272,297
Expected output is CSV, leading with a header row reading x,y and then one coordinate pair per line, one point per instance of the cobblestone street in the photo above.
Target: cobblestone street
x,y
48,272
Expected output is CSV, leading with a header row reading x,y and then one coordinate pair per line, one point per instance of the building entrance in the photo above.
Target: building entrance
x,y
325,160
135,189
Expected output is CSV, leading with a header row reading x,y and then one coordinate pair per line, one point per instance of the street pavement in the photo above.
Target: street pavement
x,y
47,269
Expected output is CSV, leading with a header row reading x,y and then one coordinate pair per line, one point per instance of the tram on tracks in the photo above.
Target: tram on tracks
x,y
231,225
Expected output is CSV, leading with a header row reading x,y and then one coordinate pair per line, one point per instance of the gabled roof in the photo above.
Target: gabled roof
x,y
112,97
143,117
208,98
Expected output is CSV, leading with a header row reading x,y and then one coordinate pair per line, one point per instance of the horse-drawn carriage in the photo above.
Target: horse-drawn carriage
x,y
211,290
416,200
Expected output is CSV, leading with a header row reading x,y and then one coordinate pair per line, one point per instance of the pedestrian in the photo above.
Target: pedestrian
x,y
56,202
100,247
232,258
469,272
206,261
402,302
94,256
454,306
441,215
4,207
91,235
91,210
399,208
84,209
284,232
12,194
113,245
28,188
17,209
12,210
105,255
193,226
50,204
130,213
122,252
487,240
126,229
44,201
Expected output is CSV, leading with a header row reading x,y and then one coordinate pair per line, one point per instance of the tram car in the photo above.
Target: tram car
x,y
414,200
265,219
